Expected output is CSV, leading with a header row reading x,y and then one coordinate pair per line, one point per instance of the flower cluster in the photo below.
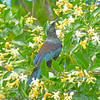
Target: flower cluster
x,y
2,96
78,26
78,77
38,88
10,53
78,11
14,79
63,6
89,35
30,20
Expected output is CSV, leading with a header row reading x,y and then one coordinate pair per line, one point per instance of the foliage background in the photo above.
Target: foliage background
x,y
22,35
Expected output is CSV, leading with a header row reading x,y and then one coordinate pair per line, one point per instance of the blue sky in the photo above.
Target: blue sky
x,y
9,2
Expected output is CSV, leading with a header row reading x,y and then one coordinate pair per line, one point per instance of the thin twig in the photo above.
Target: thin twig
x,y
33,7
25,6
95,73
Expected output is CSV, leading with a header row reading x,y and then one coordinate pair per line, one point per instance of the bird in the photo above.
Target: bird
x,y
50,49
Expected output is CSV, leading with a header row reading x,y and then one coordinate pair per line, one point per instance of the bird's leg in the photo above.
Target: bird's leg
x,y
49,63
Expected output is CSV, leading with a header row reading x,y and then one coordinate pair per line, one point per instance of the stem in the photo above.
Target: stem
x,y
95,73
26,96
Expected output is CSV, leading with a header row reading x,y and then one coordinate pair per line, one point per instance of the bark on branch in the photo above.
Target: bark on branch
x,y
33,7
25,6
48,10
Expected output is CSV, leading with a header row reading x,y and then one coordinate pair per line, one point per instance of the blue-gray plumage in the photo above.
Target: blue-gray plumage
x,y
49,50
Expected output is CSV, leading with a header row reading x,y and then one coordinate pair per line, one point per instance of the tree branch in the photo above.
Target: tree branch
x,y
33,7
48,9
25,6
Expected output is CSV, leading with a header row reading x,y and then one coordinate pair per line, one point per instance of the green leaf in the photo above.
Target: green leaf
x,y
80,97
45,27
98,54
44,68
97,65
6,12
67,42
90,49
76,2
17,30
19,43
95,22
1,21
56,66
78,26
23,22
13,94
19,13
80,60
21,93
71,67
26,96
5,76
19,69
95,12
61,67
69,86
74,48
4,33
67,36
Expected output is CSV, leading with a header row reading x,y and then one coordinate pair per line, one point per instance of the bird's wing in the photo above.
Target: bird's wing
x,y
36,59
48,51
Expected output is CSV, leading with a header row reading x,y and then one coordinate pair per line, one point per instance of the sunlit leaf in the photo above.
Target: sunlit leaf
x,y
57,67
80,60
44,68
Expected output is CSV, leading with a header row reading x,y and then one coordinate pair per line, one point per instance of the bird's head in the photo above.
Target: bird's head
x,y
51,28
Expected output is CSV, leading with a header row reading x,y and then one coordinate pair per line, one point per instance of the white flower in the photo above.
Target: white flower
x,y
1,63
65,8
89,78
51,75
2,5
60,0
58,32
56,95
79,33
79,84
71,19
23,77
71,93
95,38
30,44
68,97
85,71
91,30
93,57
35,82
13,75
13,51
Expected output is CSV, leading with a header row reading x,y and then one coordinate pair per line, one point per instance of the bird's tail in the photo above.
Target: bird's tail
x,y
36,74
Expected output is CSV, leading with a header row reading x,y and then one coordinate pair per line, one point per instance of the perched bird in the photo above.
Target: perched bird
x,y
49,50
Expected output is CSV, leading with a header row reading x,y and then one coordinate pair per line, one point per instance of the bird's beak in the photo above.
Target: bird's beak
x,y
54,22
